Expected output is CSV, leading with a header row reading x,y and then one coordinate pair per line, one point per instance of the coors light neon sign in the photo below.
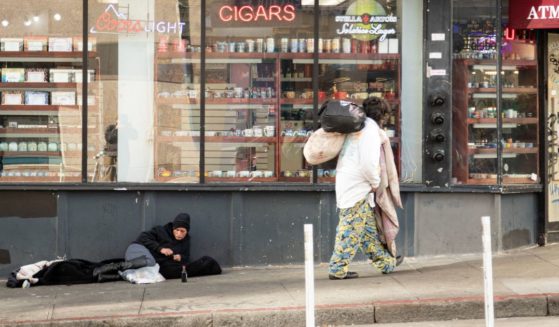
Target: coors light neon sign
x,y
111,21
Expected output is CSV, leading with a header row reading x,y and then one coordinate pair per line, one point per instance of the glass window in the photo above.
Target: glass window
x,y
144,108
474,93
519,105
478,140
359,56
40,112
258,97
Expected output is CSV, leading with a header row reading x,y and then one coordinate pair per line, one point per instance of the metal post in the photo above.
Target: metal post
x,y
487,271
309,275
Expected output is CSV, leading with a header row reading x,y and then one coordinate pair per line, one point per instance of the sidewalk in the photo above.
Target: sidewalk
x,y
526,283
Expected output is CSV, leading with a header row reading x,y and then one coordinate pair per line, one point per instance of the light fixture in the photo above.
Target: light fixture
x,y
27,22
36,18
57,17
5,23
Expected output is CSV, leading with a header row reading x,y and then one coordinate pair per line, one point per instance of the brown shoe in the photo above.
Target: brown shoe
x,y
349,275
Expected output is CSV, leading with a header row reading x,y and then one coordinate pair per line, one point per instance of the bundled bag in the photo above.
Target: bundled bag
x,y
341,116
322,146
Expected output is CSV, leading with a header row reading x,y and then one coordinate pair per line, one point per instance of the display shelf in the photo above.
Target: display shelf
x,y
28,154
39,179
44,56
174,147
29,131
217,139
505,150
507,62
506,180
65,120
514,90
296,101
219,101
6,107
523,121
39,86
519,136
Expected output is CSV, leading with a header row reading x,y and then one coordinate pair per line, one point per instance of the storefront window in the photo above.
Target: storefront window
x,y
146,104
250,74
359,57
519,105
177,95
474,96
40,108
480,138
160,97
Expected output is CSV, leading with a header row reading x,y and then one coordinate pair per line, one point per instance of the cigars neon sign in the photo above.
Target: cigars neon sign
x,y
111,21
254,14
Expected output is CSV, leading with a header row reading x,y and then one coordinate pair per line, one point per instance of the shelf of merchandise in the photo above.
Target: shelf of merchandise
x,y
169,136
462,123
66,132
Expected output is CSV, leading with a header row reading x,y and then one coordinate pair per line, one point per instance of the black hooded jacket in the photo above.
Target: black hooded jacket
x,y
162,237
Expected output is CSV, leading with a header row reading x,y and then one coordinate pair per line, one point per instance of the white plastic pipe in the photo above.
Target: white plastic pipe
x,y
487,271
309,275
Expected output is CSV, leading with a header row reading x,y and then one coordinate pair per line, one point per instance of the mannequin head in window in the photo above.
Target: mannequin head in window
x,y
378,109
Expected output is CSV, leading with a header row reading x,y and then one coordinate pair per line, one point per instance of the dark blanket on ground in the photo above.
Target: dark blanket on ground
x,y
72,271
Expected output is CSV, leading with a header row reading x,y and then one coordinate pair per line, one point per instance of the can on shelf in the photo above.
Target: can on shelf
x,y
320,45
270,45
284,44
294,45
259,45
327,45
336,45
346,45
302,45
310,45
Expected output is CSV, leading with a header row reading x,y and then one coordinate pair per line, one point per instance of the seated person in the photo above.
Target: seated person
x,y
169,246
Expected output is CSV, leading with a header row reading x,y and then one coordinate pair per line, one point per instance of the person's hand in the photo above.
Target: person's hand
x,y
177,257
166,251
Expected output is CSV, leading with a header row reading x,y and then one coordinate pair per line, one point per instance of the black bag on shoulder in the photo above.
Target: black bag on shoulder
x,y
341,116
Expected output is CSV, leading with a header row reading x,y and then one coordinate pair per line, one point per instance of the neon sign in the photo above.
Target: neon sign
x,y
366,25
509,33
112,21
254,14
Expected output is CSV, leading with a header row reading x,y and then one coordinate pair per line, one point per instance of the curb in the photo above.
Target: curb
x,y
436,309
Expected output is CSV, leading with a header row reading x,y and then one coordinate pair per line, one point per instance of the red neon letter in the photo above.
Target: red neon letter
x,y
246,17
509,34
275,11
222,15
289,11
261,11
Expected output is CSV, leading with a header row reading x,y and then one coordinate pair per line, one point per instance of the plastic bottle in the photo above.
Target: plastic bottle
x,y
184,275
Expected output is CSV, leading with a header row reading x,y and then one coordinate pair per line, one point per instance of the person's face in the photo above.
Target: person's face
x,y
179,233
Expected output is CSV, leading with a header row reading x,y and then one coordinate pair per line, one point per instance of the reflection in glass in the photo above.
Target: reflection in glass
x,y
355,64
474,93
40,115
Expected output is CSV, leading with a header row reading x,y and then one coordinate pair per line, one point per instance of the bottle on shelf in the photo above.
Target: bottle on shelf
x,y
184,274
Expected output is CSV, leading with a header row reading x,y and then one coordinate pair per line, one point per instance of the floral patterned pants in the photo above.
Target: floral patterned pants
x,y
358,229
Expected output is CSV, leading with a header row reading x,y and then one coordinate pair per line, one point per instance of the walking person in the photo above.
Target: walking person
x,y
169,246
358,175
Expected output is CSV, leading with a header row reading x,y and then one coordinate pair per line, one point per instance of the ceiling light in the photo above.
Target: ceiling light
x,y
36,18
57,16
27,22
5,23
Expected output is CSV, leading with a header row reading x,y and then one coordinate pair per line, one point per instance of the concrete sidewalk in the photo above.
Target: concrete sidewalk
x,y
526,283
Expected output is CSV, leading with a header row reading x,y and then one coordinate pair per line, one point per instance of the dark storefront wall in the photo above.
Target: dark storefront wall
x,y
245,228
